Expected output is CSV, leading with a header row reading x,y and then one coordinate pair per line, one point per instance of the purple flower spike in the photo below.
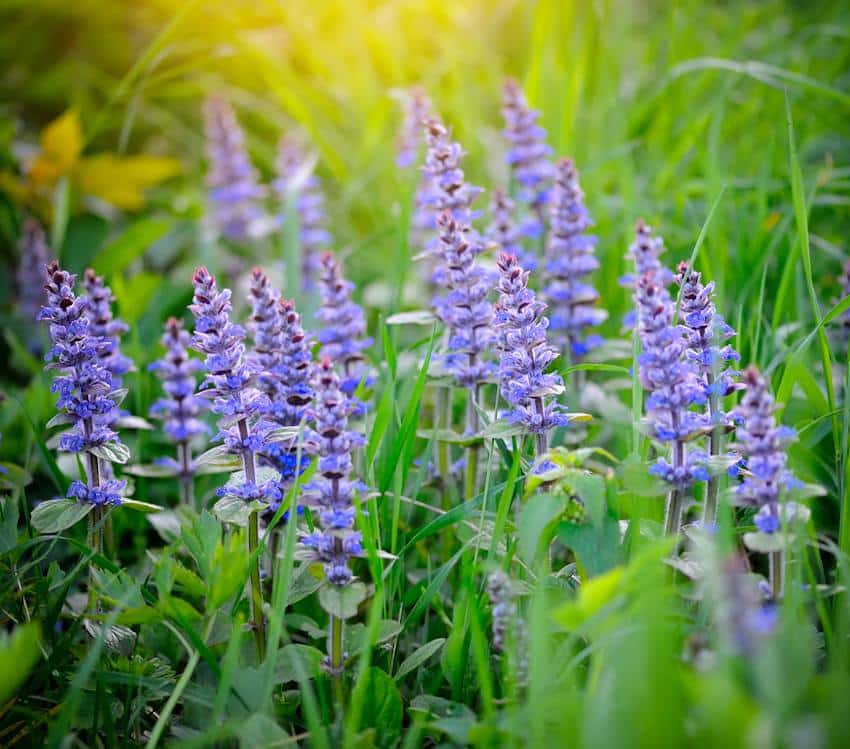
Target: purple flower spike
x,y
449,190
295,175
528,156
84,384
763,444
443,189
569,259
526,354
644,252
343,335
503,229
707,332
180,409
672,384
331,494
466,311
34,256
416,107
234,190
104,326
281,356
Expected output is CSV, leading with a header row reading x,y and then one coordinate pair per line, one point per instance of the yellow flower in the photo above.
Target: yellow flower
x,y
117,180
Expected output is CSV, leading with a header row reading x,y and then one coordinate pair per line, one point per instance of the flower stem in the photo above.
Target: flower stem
x,y
187,485
709,513
257,621
336,661
95,521
540,439
777,574
472,427
673,518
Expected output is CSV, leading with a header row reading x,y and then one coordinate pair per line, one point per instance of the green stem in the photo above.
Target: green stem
x,y
472,426
187,484
443,419
777,574
336,662
709,512
673,517
257,622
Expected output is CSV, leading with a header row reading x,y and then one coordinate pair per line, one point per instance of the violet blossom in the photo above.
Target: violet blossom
x,y
229,384
570,257
234,190
84,384
416,106
106,327
331,493
180,408
672,383
296,177
465,310
343,334
763,444
527,157
525,355
30,277
504,231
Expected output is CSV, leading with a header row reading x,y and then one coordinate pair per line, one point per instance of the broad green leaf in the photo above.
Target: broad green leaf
x,y
296,661
381,706
537,524
419,657
415,317
13,476
19,652
114,452
136,504
130,245
342,602
55,515
235,510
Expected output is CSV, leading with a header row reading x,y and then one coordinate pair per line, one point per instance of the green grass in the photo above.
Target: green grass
x,y
723,125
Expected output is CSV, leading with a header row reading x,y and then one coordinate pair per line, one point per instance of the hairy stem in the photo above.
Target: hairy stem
x,y
541,442
95,521
472,427
257,622
675,502
187,484
709,514
336,662
776,574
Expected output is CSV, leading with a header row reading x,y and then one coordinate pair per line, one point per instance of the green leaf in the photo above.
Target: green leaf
x,y
235,510
151,470
414,317
636,478
136,504
596,546
419,656
342,602
55,515
133,422
117,255
381,707
296,661
114,452
217,460
9,514
19,652
764,543
13,476
537,524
